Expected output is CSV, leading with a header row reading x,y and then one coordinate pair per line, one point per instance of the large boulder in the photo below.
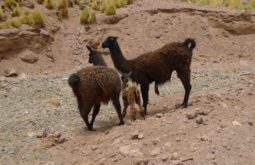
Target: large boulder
x,y
28,57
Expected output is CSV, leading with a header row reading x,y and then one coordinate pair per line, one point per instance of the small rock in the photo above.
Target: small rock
x,y
156,141
159,115
93,148
60,140
224,105
202,112
250,123
31,134
242,62
142,162
177,162
57,134
115,18
29,57
175,156
137,135
140,136
168,144
210,156
236,123
10,73
126,150
191,116
215,61
22,76
164,158
178,139
200,120
155,152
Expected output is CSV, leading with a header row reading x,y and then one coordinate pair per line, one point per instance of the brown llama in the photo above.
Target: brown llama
x,y
95,85
156,66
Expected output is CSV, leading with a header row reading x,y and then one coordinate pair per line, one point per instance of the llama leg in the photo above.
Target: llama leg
x,y
184,76
84,114
125,109
95,112
145,94
116,103
156,88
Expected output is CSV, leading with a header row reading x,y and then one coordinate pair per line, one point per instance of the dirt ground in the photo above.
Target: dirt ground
x,y
40,123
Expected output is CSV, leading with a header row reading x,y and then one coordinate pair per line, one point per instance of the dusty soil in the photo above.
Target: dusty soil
x,y
40,123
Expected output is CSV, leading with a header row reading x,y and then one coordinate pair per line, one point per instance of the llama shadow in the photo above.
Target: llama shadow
x,y
106,125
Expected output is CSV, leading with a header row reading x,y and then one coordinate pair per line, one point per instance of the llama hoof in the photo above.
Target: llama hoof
x,y
181,106
121,123
90,128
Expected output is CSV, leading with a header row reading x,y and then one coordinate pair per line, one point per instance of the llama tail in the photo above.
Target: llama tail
x,y
74,80
190,43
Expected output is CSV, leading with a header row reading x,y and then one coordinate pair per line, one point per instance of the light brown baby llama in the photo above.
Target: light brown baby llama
x,y
131,97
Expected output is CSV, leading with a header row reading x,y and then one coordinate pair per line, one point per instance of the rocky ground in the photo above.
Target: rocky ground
x,y
40,123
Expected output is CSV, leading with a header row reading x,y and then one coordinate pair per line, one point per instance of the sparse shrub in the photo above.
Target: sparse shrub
x,y
62,11
130,1
250,6
84,15
1,13
217,3
10,3
15,11
40,1
24,18
14,22
92,18
70,3
235,4
95,5
202,2
120,3
87,17
110,9
77,2
49,4
36,19
11,23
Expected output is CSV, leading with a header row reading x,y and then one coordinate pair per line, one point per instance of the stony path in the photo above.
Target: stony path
x,y
35,103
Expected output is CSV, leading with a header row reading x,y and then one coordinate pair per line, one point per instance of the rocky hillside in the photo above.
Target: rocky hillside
x,y
40,123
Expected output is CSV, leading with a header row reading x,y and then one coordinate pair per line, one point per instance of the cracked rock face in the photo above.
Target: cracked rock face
x,y
23,38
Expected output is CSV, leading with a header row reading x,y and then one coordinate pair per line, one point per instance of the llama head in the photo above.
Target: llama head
x,y
109,42
93,54
125,77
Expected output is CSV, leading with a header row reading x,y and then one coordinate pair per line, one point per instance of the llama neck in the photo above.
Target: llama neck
x,y
124,85
120,62
100,62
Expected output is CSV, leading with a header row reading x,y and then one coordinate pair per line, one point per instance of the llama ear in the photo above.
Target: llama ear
x,y
115,38
89,48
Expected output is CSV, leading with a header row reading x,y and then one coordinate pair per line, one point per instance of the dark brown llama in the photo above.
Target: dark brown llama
x,y
130,94
95,85
156,66
95,57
